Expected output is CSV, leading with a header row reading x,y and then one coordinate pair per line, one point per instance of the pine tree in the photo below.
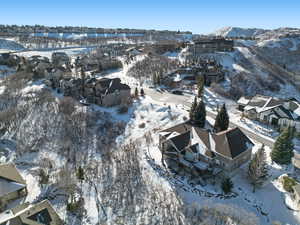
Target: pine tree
x,y
80,174
282,152
200,85
227,185
154,79
193,110
136,92
158,79
142,92
222,120
200,114
258,169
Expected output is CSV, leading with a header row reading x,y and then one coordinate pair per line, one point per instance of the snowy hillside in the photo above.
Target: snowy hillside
x,y
250,72
238,32
279,33
9,45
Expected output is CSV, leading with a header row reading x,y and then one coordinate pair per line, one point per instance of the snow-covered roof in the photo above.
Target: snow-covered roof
x,y
244,100
296,112
260,103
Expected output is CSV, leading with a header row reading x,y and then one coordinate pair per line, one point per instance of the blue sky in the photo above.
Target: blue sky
x,y
197,16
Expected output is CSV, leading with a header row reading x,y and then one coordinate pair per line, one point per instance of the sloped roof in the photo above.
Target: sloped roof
x,y
111,85
179,128
182,140
203,135
231,143
31,214
10,172
7,187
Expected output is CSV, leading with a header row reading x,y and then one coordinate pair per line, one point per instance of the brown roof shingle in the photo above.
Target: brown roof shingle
x,y
231,143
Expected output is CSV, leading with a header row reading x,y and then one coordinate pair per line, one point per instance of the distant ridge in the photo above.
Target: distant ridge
x,y
239,32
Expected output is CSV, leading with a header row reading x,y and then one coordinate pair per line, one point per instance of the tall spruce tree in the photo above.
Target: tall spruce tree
x,y
258,169
282,152
200,114
227,185
200,85
154,79
193,110
80,174
222,120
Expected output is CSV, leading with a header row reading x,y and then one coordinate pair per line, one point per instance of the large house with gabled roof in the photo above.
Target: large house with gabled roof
x,y
203,152
271,110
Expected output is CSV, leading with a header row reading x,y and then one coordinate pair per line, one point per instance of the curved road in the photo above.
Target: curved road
x,y
166,97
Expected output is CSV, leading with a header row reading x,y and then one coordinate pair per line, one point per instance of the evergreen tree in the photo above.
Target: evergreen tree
x,y
282,152
193,110
154,79
222,120
200,85
227,185
142,92
136,92
158,79
258,170
80,174
200,114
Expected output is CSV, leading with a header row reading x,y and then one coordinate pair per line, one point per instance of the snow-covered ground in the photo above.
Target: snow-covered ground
x,y
48,53
156,115
147,115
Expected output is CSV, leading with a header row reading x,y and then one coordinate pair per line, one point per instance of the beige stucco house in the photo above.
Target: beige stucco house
x,y
195,149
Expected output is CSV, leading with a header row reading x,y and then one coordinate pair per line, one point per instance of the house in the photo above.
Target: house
x,y
133,51
60,59
187,76
12,185
41,213
271,110
110,92
211,45
195,149
9,59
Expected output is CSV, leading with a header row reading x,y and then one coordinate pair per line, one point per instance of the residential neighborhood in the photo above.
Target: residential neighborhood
x,y
107,126
13,188
272,111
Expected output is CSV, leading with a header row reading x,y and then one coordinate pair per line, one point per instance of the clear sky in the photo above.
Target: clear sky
x,y
197,16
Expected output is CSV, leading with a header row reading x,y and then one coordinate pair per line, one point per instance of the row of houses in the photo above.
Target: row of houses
x,y
210,70
13,187
210,45
104,91
272,111
202,152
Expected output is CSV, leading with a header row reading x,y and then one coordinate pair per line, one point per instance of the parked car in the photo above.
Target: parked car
x,y
177,92
84,102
